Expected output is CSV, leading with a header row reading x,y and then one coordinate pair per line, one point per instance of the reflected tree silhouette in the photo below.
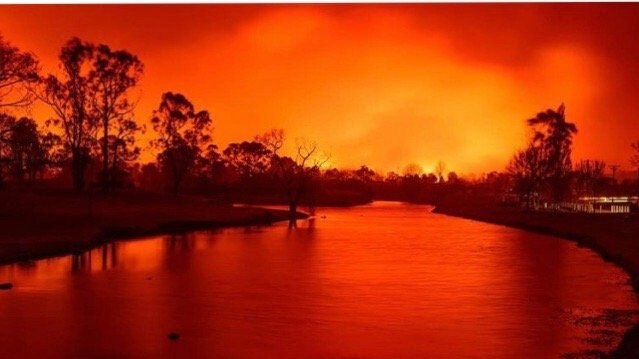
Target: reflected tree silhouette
x,y
179,242
107,255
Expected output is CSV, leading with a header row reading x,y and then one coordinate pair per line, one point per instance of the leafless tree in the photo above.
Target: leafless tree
x,y
297,173
273,139
529,170
590,174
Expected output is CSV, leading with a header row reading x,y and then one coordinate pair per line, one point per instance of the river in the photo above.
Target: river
x,y
387,280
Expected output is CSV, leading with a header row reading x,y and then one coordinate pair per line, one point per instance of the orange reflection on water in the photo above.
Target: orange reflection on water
x,y
386,280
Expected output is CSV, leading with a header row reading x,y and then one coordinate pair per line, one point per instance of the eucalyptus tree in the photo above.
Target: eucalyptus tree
x,y
18,70
113,74
182,132
69,95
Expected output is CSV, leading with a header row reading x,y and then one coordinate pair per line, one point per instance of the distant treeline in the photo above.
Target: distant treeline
x,y
92,142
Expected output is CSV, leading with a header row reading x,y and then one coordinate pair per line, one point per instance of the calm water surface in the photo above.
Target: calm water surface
x,y
381,281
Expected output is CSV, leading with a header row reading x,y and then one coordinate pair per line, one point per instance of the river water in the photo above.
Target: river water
x,y
387,280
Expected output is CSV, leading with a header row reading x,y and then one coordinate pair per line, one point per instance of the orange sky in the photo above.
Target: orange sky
x,y
384,85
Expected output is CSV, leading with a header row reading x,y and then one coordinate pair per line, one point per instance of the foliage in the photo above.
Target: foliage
x,y
18,70
182,132
553,136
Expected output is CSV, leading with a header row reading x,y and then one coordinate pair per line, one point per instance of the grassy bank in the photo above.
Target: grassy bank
x,y
614,236
38,224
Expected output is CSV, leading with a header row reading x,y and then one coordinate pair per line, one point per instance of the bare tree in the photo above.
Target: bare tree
x,y
273,139
296,173
17,70
528,168
590,174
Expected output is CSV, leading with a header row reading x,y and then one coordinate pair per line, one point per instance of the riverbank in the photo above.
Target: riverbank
x,y
37,224
614,236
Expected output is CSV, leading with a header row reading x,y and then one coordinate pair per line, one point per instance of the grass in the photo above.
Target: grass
x,y
37,224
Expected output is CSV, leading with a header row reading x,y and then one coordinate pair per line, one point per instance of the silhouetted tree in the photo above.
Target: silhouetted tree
x,y
273,139
70,98
212,164
365,174
150,177
122,149
250,159
296,174
26,153
431,178
412,169
113,73
553,134
634,158
17,70
6,125
453,178
24,150
528,168
590,175
182,132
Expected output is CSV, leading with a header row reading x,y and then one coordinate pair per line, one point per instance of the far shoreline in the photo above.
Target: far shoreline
x,y
599,233
43,225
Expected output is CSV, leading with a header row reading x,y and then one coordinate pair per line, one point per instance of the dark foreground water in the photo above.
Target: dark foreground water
x,y
381,281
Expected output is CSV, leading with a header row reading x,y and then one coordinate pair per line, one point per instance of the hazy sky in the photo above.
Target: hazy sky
x,y
384,85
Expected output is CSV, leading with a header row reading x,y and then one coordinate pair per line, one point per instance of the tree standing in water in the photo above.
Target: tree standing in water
x,y
295,174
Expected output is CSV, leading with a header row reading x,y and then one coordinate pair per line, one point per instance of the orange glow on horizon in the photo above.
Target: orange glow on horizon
x,y
382,85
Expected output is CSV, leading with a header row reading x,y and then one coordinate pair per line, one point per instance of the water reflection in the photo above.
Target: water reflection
x,y
388,280
103,258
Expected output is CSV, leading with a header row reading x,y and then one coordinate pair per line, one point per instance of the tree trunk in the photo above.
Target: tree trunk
x,y
105,156
77,169
292,208
176,185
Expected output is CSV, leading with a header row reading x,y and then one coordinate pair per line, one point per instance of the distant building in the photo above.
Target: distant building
x,y
601,204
